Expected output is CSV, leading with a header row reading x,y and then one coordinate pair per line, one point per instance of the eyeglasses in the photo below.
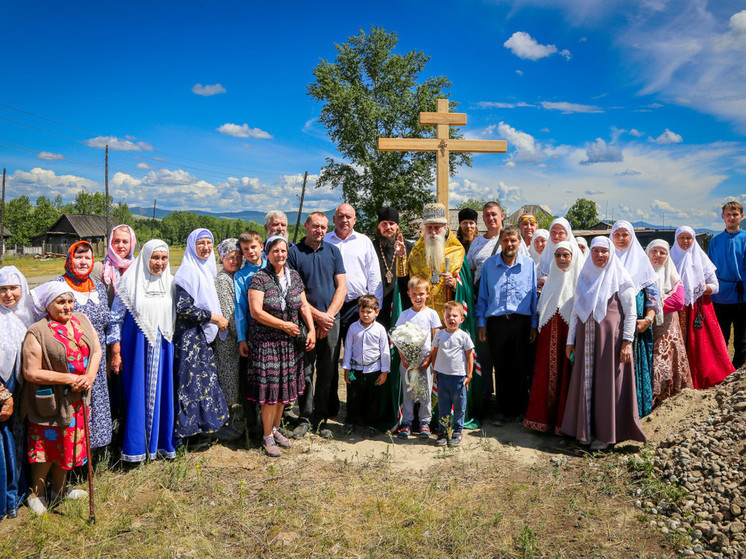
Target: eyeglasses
x,y
528,220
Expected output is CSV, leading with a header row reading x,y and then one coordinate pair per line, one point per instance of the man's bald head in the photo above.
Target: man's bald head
x,y
344,220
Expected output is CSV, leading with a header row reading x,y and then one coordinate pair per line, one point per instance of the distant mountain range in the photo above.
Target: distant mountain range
x,y
246,215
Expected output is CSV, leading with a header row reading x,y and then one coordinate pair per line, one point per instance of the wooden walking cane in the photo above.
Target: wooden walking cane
x,y
91,513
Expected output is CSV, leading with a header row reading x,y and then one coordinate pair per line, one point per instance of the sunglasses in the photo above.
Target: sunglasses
x,y
528,220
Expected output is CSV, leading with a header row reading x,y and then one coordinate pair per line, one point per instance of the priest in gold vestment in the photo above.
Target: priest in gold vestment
x,y
437,256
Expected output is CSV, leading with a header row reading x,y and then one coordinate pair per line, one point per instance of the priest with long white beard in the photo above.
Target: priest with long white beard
x,y
437,256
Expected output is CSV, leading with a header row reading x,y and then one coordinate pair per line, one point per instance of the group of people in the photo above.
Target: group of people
x,y
516,324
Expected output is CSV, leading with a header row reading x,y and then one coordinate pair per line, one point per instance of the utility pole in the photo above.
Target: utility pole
x,y
106,200
152,221
2,222
300,208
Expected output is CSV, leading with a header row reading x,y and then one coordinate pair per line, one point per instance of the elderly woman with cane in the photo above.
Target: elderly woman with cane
x,y
61,355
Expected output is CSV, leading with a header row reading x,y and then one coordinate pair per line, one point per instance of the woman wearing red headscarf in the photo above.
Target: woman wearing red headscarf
x,y
91,300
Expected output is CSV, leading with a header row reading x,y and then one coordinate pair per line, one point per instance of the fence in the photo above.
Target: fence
x,y
98,248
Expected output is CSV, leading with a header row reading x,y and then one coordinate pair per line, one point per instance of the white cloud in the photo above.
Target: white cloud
x,y
593,192
525,147
48,156
566,54
143,165
524,46
501,105
117,144
38,182
243,131
465,189
628,173
519,72
635,133
667,137
601,152
568,108
208,90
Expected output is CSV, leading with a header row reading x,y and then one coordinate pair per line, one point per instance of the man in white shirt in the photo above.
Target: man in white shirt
x,y
363,276
361,264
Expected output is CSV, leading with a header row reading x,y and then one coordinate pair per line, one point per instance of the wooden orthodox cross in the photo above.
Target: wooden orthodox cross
x,y
442,145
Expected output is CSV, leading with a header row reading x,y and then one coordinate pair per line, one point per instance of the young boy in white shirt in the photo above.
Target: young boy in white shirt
x,y
366,365
428,319
453,360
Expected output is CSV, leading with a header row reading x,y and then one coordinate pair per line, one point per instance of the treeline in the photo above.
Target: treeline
x,y
26,220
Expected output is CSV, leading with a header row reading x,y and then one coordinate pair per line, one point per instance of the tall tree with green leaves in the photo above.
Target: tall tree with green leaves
x,y
368,92
582,214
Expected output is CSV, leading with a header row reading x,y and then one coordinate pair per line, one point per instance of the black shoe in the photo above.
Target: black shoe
x,y
371,431
348,428
322,431
300,431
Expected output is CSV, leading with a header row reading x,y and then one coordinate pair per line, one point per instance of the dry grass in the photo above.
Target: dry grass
x,y
297,507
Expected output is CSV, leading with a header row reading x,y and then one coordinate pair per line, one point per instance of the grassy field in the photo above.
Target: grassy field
x,y
472,503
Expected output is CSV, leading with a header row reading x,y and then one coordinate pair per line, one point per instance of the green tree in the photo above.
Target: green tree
x,y
19,220
44,216
90,203
370,92
582,214
120,215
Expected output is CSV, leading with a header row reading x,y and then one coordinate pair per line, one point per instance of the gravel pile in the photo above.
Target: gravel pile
x,y
708,460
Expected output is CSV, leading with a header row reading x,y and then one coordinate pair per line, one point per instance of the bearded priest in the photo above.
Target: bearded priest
x,y
437,256
387,234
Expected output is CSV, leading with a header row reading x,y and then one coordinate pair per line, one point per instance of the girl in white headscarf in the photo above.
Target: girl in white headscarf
x,y
647,300
552,367
201,405
601,401
538,242
671,373
144,310
16,315
709,360
559,230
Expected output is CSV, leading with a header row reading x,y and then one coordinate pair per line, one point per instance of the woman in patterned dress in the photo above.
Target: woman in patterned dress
x,y
61,358
671,373
226,351
277,299
91,300
200,404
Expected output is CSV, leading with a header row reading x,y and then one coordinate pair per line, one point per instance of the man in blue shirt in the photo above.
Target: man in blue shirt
x,y
507,320
322,270
728,252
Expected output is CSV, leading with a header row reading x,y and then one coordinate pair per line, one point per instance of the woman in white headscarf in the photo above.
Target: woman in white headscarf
x,y
647,300
601,401
559,230
16,315
709,360
226,351
144,310
200,407
538,243
671,373
552,367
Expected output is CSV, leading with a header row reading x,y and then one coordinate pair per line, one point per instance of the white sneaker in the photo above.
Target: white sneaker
x,y
599,445
72,494
38,505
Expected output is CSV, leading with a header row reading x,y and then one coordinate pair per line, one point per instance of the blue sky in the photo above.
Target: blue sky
x,y
637,105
